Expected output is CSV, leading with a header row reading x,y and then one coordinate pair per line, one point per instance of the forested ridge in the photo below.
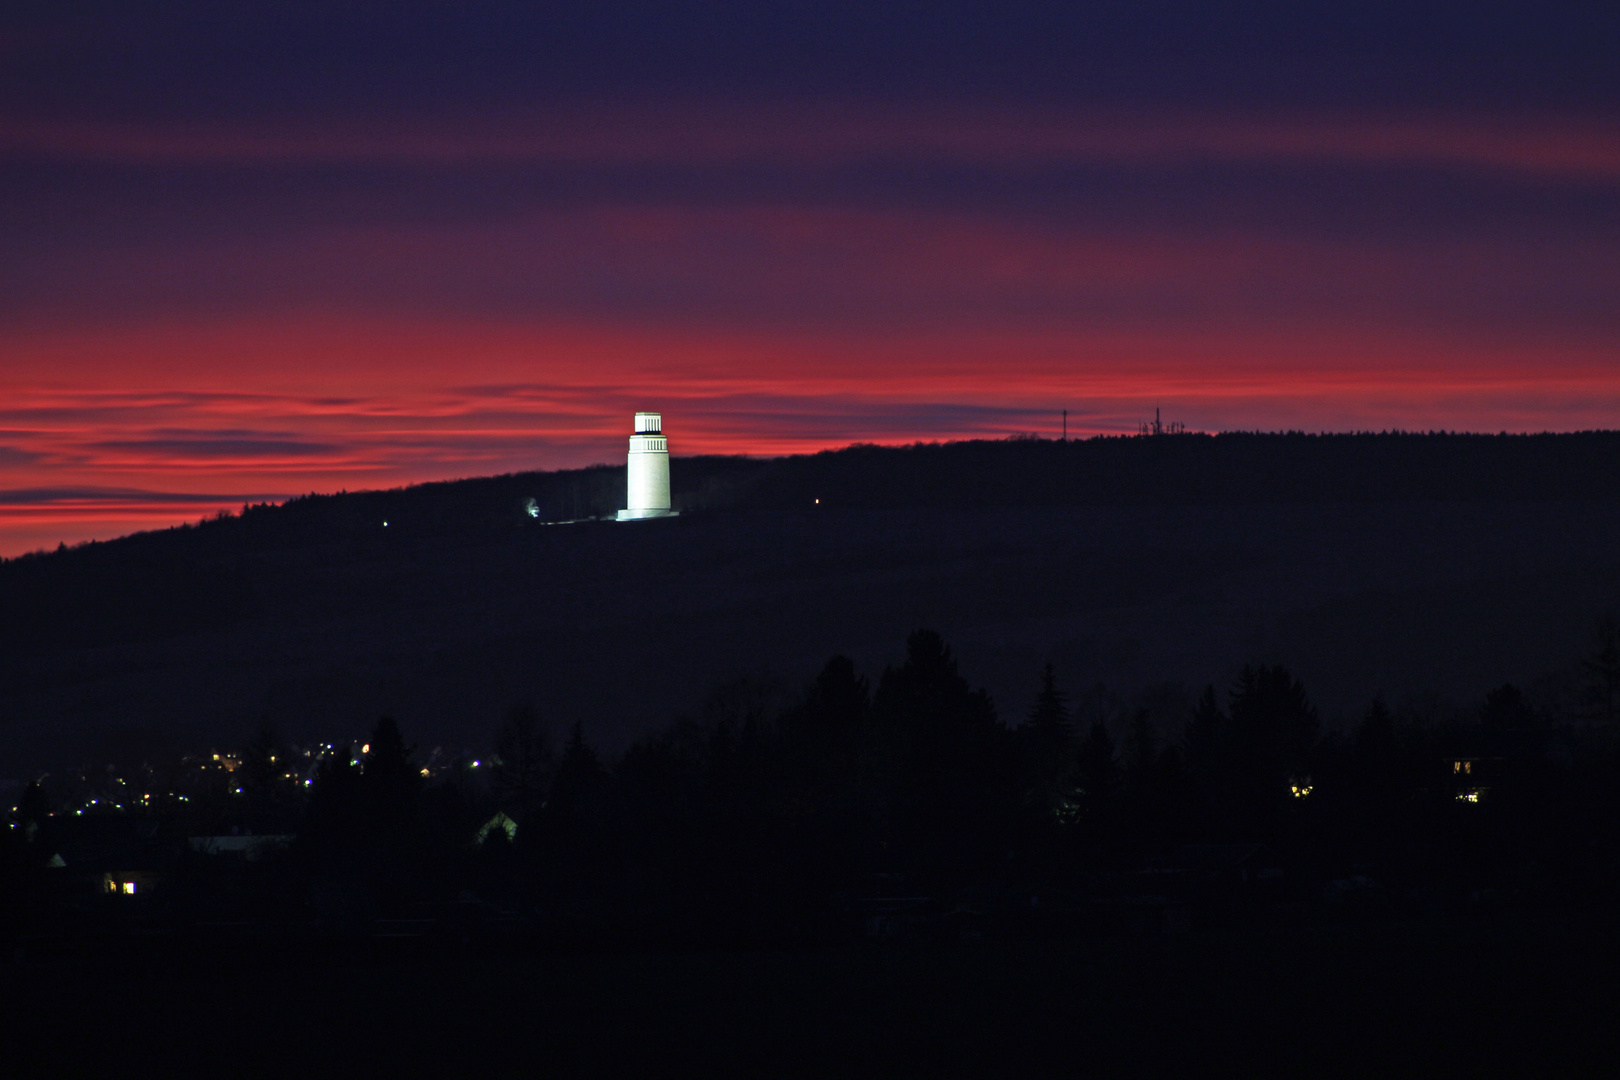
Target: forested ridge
x,y
201,576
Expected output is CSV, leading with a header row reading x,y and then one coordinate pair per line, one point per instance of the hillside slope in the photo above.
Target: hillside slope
x,y
1395,564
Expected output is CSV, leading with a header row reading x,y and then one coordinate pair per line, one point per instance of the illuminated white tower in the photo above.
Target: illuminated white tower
x,y
649,470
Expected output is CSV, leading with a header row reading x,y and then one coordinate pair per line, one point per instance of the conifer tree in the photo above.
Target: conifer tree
x,y
1048,724
1602,668
1206,730
1094,762
523,762
579,781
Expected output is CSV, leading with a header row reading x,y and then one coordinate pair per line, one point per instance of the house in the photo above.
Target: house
x,y
1470,778
115,855
130,882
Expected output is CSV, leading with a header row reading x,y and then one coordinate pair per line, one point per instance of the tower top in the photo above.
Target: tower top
x,y
649,422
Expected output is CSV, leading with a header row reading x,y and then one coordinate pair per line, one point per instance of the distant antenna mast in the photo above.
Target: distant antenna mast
x,y
1157,427
1065,425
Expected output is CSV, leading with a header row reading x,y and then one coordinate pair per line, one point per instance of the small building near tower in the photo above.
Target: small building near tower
x,y
648,473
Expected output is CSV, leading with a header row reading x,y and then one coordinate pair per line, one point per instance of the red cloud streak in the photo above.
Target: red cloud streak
x,y
715,133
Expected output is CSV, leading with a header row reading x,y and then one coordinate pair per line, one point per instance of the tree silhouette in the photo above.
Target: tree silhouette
x,y
1094,768
1272,724
33,809
1045,734
390,783
1206,731
1376,748
1506,709
580,782
264,765
333,821
1602,668
364,818
521,771
824,738
942,758
1270,731
1141,753
836,708
939,729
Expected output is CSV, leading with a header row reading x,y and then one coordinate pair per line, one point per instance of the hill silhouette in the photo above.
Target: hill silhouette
x,y
1372,563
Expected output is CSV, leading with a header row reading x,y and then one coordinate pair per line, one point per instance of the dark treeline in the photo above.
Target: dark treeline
x,y
774,817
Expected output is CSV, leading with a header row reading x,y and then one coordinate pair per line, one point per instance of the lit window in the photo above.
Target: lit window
x,y
127,888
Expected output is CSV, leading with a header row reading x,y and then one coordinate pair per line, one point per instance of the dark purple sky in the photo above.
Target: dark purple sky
x,y
248,252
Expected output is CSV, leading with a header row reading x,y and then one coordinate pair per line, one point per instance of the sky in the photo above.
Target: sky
x,y
250,251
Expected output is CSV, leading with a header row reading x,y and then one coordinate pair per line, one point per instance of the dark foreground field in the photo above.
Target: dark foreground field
x,y
1532,999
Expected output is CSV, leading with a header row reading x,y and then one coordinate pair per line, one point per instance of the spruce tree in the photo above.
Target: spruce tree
x,y
1048,723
